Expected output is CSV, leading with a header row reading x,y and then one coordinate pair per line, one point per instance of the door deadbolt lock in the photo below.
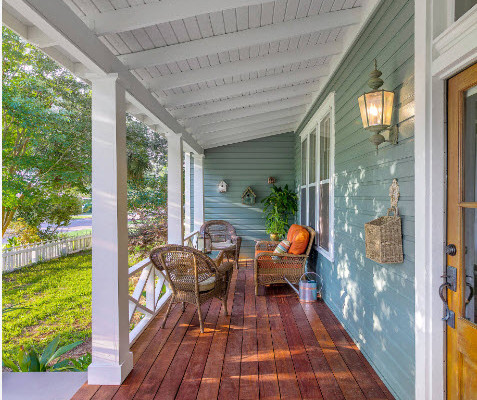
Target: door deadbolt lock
x,y
451,250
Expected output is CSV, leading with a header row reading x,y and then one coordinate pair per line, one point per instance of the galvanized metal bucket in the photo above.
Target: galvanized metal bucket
x,y
308,289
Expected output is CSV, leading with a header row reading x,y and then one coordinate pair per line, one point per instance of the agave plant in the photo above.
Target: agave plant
x,y
80,364
31,361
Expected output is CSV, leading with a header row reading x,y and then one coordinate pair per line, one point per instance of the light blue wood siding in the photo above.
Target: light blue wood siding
x,y
241,165
374,302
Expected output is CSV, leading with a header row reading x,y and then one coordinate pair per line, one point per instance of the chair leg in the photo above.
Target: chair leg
x,y
167,312
199,311
224,302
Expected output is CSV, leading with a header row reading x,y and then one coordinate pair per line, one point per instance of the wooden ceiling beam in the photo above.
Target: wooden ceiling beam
x,y
246,66
246,101
129,18
238,88
241,39
254,119
195,122
247,137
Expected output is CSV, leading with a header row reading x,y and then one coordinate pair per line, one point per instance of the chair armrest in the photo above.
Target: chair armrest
x,y
220,258
236,240
266,245
283,256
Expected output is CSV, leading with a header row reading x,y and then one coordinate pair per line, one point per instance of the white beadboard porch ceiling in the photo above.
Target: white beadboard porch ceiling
x,y
227,70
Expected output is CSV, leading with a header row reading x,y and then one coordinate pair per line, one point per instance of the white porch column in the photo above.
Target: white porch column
x,y
175,211
112,360
198,191
187,193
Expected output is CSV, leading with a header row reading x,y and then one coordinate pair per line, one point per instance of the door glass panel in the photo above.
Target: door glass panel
x,y
470,145
470,226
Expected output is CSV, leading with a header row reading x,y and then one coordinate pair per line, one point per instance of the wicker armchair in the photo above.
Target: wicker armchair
x,y
192,276
270,268
217,235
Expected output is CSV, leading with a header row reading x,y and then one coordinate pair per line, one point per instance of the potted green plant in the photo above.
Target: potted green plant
x,y
279,206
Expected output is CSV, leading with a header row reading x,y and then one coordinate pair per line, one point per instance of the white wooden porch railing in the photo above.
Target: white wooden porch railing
x,y
192,239
150,293
21,256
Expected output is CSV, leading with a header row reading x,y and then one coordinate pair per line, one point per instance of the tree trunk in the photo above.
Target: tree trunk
x,y
7,217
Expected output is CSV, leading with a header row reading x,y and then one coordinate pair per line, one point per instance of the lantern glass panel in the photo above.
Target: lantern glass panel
x,y
362,109
374,108
388,107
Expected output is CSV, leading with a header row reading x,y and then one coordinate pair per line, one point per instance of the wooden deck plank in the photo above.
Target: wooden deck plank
x,y
144,340
323,373
249,388
173,378
268,378
230,380
287,380
195,369
158,370
270,347
141,368
209,386
348,385
106,392
85,392
367,378
309,387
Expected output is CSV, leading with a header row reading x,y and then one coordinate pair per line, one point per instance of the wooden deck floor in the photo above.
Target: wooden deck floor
x,y
270,347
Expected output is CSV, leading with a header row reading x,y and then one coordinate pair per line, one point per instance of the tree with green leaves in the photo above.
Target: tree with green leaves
x,y
46,115
47,142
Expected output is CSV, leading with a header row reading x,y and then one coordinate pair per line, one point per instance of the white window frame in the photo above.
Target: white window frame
x,y
326,108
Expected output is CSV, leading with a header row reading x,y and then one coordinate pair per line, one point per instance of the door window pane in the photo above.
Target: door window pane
x,y
303,162
312,157
470,227
470,145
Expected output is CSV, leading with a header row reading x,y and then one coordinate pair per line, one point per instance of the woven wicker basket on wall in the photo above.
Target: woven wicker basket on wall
x,y
383,238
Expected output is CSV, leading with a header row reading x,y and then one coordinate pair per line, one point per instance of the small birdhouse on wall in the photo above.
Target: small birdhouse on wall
x,y
271,180
223,187
248,197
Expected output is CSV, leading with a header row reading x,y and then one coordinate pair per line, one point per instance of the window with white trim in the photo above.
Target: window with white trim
x,y
316,188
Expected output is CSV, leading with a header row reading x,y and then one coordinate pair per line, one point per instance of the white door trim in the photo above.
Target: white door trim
x,y
435,62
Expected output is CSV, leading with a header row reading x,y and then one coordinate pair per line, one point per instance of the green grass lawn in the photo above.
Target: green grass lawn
x,y
82,216
81,232
57,297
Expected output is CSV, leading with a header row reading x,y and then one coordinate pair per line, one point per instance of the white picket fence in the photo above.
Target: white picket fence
x,y
21,256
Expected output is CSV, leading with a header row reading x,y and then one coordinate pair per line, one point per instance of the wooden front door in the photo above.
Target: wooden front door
x,y
462,233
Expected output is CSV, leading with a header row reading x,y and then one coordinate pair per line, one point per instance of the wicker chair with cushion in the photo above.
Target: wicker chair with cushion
x,y
192,276
220,235
270,267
